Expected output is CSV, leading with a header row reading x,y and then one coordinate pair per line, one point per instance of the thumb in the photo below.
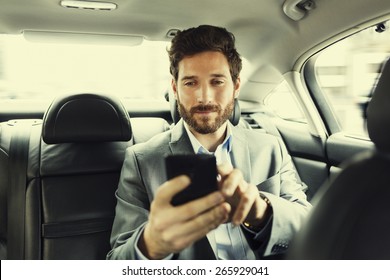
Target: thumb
x,y
171,187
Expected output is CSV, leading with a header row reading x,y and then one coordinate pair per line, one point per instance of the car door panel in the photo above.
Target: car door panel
x,y
341,147
306,150
308,153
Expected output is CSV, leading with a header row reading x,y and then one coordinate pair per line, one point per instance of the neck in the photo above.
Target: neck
x,y
211,140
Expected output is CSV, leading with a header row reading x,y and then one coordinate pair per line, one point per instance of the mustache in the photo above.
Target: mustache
x,y
204,108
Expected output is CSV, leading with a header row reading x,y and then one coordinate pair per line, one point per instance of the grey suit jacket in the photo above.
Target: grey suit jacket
x,y
263,160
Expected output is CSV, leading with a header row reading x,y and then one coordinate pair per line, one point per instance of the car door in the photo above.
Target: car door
x,y
337,82
340,80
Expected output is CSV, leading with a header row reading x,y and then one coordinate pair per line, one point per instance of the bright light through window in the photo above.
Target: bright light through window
x,y
32,74
42,71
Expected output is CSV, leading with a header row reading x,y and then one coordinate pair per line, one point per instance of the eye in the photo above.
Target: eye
x,y
189,83
217,82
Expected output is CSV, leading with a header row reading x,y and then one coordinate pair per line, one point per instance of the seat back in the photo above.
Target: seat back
x,y
84,139
74,160
349,219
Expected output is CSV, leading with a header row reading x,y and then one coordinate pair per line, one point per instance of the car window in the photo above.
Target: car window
x,y
283,103
347,72
36,72
31,70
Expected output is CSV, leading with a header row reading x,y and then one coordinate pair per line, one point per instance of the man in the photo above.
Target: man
x,y
260,202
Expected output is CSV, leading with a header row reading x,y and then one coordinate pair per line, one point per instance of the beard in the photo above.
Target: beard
x,y
205,124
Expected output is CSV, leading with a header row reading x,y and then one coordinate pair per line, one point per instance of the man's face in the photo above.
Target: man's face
x,y
205,91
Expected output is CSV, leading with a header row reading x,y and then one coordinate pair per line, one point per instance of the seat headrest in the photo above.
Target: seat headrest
x,y
378,111
234,118
86,118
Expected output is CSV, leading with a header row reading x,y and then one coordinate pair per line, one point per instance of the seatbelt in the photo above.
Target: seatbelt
x,y
263,121
18,163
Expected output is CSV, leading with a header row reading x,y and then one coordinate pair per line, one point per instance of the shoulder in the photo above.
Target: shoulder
x,y
258,141
256,136
156,145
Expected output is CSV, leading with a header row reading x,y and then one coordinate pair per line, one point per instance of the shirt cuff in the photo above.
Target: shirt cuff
x,y
140,256
263,229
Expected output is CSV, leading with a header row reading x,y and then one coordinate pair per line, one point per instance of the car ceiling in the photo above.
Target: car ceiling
x,y
272,42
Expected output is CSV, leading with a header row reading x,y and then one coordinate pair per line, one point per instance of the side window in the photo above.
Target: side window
x,y
284,104
347,72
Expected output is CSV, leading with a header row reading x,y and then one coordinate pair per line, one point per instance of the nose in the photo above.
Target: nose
x,y
204,94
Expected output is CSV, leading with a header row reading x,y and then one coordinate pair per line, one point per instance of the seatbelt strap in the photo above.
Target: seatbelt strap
x,y
263,121
18,163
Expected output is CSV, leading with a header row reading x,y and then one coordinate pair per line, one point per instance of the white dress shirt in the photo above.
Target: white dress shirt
x,y
227,240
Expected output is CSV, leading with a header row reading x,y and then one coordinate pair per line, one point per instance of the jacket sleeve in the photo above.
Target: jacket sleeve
x,y
286,194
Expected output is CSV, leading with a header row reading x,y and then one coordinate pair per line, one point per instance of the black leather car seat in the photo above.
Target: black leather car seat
x,y
65,205
350,217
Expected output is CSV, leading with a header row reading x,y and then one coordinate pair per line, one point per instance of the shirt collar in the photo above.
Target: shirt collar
x,y
198,148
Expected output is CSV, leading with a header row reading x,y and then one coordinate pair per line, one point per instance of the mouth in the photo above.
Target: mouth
x,y
204,110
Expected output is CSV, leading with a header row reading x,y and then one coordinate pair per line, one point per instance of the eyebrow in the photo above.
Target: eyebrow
x,y
194,77
188,78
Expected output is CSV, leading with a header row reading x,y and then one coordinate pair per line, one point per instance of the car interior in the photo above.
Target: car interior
x,y
356,200
64,128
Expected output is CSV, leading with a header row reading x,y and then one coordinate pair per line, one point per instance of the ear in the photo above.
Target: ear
x,y
237,87
174,87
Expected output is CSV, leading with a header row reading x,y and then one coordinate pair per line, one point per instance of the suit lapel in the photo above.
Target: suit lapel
x,y
180,143
240,155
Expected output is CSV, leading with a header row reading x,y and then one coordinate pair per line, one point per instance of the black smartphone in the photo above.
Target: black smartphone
x,y
202,170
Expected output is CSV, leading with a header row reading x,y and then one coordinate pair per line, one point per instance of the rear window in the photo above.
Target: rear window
x,y
33,73
41,71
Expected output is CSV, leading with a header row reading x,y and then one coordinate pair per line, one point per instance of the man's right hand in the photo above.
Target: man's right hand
x,y
171,229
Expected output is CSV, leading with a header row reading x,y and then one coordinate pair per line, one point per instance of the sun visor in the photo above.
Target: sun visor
x,y
81,38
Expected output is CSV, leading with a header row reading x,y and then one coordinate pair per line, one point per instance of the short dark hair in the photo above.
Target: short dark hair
x,y
204,38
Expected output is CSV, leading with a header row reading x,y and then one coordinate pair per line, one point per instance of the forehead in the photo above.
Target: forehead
x,y
204,63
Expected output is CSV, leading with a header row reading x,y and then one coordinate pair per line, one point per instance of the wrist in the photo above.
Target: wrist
x,y
259,223
146,246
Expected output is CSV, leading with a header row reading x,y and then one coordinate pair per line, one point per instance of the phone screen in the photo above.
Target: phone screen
x,y
202,170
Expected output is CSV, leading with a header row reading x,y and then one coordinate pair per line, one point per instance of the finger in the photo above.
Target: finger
x,y
247,201
183,235
224,169
196,207
231,182
171,187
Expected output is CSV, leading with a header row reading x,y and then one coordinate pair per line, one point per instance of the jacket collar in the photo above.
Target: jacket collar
x,y
240,155
180,142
